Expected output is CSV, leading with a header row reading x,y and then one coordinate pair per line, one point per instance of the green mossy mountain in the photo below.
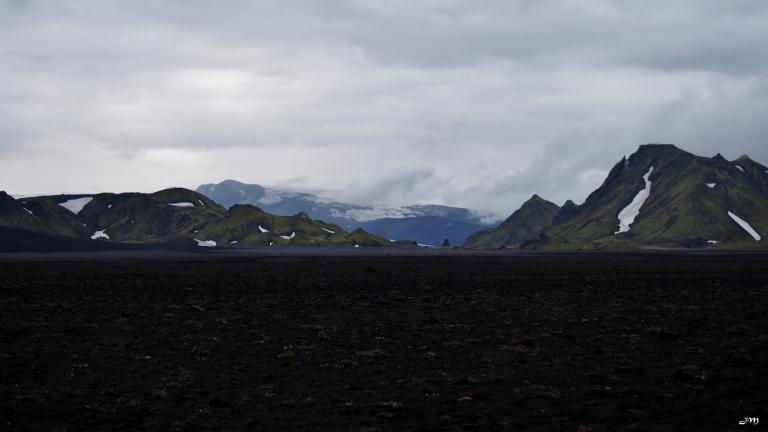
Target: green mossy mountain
x,y
688,204
523,225
245,224
170,215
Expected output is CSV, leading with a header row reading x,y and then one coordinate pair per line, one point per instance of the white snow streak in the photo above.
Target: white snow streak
x,y
327,230
182,204
747,227
740,168
77,204
711,185
100,234
263,230
629,213
285,237
206,243
28,211
712,242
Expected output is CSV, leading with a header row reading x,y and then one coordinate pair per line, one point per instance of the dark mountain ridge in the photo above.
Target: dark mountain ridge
x,y
169,216
662,196
424,223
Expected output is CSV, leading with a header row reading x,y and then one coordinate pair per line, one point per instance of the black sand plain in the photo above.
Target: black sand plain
x,y
378,341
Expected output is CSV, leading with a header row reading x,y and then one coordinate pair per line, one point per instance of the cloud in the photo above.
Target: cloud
x,y
471,104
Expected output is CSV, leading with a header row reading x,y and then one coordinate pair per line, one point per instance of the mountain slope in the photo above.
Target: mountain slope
x,y
679,200
125,217
521,226
167,216
429,224
249,225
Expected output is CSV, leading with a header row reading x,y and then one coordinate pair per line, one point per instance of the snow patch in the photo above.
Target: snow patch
x,y
327,230
182,204
357,246
109,206
711,185
629,213
206,243
233,242
740,168
425,245
201,203
271,243
747,227
714,242
285,237
77,204
263,230
28,211
100,234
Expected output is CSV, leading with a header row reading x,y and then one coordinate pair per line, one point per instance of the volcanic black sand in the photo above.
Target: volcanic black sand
x,y
581,342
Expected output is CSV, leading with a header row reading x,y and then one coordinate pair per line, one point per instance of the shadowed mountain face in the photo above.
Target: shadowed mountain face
x,y
167,216
428,224
662,196
521,226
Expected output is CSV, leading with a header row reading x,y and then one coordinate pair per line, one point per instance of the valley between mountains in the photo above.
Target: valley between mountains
x,y
659,197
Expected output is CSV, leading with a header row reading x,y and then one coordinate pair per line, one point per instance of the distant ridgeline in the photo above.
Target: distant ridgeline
x,y
660,197
171,215
427,224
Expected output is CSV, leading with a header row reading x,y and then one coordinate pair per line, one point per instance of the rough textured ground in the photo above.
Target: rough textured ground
x,y
544,343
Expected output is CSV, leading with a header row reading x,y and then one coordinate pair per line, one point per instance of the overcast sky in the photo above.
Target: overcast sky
x,y
471,103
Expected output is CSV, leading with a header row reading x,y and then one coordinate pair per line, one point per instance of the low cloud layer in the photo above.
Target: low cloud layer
x,y
461,103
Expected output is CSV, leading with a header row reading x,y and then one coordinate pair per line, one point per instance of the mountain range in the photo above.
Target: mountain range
x,y
661,196
428,224
658,197
169,216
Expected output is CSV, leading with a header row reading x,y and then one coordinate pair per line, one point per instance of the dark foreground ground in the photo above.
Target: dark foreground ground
x,y
576,343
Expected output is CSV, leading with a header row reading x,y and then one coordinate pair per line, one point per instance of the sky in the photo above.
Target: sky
x,y
474,104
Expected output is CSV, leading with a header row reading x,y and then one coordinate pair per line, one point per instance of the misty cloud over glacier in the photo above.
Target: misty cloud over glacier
x,y
476,104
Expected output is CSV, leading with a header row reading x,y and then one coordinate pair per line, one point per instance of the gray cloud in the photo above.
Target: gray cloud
x,y
473,104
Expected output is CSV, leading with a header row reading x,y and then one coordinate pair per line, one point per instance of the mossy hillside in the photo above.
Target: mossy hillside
x,y
181,195
12,214
362,238
682,211
245,224
131,217
52,218
523,225
137,217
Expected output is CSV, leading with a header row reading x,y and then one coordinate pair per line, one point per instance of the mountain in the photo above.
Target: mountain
x,y
523,225
248,225
427,224
662,196
163,217
427,230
